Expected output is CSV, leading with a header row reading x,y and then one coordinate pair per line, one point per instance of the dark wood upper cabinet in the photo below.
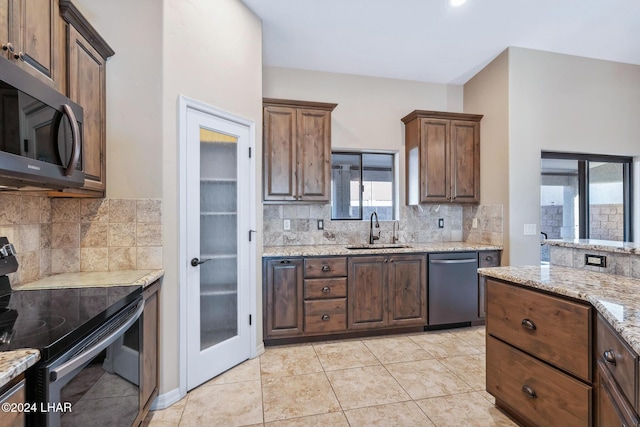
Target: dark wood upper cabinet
x,y
442,157
29,32
297,150
87,54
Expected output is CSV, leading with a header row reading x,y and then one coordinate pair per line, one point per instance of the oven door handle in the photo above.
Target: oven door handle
x,y
77,361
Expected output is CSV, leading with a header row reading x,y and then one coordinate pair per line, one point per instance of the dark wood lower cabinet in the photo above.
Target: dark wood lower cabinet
x,y
283,296
407,299
611,406
367,283
149,382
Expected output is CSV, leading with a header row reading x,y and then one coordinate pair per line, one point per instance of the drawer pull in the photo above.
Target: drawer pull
x,y
326,290
610,357
285,261
326,317
528,324
326,267
530,392
489,258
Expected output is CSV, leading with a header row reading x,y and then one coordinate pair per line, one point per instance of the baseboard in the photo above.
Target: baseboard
x,y
163,401
259,349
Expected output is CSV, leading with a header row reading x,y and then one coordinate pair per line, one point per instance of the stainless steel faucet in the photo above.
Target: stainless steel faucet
x,y
396,229
373,238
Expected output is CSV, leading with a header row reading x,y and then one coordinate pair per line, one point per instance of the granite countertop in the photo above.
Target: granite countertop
x,y
15,362
596,245
332,250
615,297
94,279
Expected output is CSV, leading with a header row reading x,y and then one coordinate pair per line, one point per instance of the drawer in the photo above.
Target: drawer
x,y
534,390
553,329
325,315
616,356
489,259
325,288
325,267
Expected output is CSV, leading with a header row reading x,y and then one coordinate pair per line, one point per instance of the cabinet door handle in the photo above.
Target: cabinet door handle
x,y
7,46
609,357
326,290
529,391
528,324
326,267
326,317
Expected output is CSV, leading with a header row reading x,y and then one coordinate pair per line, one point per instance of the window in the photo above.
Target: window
x,y
585,196
362,183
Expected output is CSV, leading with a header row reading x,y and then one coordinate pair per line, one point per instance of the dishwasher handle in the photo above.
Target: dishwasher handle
x,y
453,261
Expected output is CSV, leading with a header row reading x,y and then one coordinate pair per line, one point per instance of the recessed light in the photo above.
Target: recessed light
x,y
457,3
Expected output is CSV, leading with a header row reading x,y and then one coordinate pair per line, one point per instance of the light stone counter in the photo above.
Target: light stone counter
x,y
15,362
597,245
617,298
94,279
333,250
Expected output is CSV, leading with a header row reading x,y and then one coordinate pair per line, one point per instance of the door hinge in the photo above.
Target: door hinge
x,y
249,152
251,231
249,320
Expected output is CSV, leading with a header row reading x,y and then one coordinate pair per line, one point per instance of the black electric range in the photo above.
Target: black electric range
x,y
53,320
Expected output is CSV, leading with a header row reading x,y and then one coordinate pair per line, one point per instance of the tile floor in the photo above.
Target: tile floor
x,y
427,379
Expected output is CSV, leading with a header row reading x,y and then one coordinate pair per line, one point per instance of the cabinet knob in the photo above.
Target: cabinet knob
x,y
528,324
326,317
529,391
609,357
326,267
326,290
489,258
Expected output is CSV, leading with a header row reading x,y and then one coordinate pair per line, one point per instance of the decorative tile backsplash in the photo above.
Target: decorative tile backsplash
x,y
417,224
71,235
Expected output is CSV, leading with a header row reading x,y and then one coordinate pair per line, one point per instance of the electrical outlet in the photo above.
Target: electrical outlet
x,y
530,230
320,224
287,224
474,223
440,222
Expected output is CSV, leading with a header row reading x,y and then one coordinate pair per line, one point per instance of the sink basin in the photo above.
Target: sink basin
x,y
379,246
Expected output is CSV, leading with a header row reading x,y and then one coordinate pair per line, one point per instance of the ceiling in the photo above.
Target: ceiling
x,y
431,41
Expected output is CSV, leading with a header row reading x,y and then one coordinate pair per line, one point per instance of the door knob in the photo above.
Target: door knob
x,y
196,262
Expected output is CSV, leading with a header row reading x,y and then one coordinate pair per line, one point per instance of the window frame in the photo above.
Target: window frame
x,y
583,183
394,182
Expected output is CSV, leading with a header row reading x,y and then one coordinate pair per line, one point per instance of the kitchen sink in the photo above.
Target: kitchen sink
x,y
380,246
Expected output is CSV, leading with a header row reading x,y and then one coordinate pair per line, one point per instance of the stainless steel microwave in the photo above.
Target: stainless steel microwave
x,y
40,133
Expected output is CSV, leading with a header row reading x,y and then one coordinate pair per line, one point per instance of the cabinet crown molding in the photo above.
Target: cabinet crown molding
x,y
416,114
299,104
73,16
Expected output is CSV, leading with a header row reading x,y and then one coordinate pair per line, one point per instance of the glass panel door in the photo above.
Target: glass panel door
x,y
218,238
606,201
559,201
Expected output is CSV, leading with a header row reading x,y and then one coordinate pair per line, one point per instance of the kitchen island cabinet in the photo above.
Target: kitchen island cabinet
x,y
442,157
297,151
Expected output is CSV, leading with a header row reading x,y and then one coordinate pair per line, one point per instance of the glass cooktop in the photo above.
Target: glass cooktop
x,y
51,320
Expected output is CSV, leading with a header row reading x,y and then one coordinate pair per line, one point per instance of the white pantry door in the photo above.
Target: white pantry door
x,y
218,213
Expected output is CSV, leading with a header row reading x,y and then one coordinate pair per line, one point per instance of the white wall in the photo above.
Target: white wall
x,y
487,93
207,50
555,103
212,52
563,103
134,88
369,108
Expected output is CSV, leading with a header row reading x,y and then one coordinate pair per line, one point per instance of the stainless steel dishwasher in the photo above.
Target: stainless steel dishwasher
x,y
453,288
